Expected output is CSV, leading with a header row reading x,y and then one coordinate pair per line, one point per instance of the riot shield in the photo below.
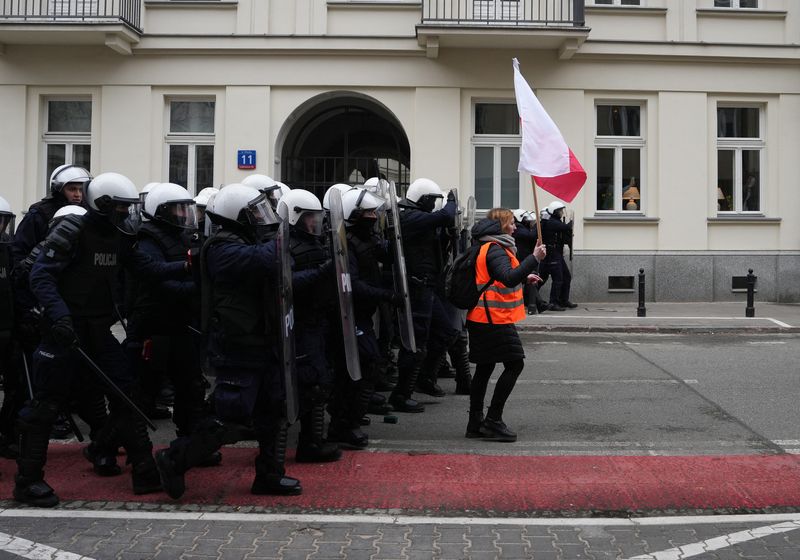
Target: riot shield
x,y
340,261
470,219
455,241
286,307
404,318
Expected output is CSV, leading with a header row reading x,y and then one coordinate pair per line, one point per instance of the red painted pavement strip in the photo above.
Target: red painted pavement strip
x,y
452,483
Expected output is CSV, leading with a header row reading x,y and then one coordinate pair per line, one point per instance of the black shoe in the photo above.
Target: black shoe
x,y
378,405
171,480
34,493
569,305
275,485
446,371
102,464
364,421
541,307
213,460
496,430
349,438
403,404
429,387
555,307
531,310
312,452
474,425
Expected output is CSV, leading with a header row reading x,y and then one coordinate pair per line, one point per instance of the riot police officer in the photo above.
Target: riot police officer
x,y
67,183
8,371
556,234
366,251
237,293
422,229
314,300
74,281
165,314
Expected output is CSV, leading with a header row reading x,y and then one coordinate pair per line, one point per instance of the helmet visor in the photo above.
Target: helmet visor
x,y
274,194
367,202
7,220
260,212
126,215
179,213
310,221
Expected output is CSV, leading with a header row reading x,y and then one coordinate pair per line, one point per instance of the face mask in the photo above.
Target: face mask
x,y
427,204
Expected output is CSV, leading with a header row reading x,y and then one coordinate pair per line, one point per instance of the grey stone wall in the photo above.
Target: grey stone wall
x,y
685,277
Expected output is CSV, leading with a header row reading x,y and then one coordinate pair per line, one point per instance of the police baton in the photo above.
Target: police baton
x,y
114,389
27,372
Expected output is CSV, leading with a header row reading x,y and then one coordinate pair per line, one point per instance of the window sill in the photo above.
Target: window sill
x,y
619,9
743,220
217,4
742,12
621,219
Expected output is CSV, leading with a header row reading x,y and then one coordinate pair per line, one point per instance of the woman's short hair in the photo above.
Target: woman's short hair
x,y
502,215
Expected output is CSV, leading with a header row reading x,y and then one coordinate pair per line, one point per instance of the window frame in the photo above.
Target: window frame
x,y
738,145
190,139
618,144
497,142
736,5
68,139
618,3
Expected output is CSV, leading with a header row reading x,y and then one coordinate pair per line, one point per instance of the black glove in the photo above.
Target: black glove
x,y
64,333
451,197
397,300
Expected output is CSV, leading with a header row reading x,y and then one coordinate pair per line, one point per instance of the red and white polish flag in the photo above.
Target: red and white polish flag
x,y
544,153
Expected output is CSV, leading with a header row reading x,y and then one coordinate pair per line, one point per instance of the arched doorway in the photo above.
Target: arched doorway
x,y
344,138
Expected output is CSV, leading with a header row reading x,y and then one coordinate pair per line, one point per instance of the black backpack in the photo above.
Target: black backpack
x,y
459,287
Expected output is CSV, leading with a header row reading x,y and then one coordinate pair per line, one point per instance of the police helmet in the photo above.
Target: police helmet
x,y
68,210
172,205
115,197
65,174
554,207
357,202
238,205
341,187
7,218
424,193
202,198
302,210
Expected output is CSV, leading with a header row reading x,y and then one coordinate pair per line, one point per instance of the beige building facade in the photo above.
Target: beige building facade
x,y
685,113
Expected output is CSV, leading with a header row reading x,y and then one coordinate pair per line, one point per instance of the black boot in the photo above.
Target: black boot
x,y
34,425
312,447
474,424
271,476
496,430
427,380
459,355
104,463
446,371
400,398
145,477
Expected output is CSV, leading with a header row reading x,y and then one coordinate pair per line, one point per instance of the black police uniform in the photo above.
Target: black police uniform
x,y
238,303
73,280
555,234
13,387
433,329
314,291
162,322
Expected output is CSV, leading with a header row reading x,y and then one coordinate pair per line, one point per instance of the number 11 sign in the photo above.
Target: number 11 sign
x,y
246,159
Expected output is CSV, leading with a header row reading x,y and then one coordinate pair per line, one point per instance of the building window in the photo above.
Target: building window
x,y
617,2
740,155
190,144
496,141
620,157
68,134
736,3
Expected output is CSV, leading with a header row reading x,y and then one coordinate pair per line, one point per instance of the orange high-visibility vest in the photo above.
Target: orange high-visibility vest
x,y
504,304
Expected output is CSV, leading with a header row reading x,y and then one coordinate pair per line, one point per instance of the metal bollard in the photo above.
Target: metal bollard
x,y
641,311
750,311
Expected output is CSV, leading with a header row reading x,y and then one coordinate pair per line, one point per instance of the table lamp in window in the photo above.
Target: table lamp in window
x,y
720,198
631,194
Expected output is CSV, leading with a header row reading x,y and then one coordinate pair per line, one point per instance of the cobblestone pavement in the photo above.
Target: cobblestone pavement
x,y
70,535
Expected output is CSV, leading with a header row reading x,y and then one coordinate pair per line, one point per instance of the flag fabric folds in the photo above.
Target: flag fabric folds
x,y
544,153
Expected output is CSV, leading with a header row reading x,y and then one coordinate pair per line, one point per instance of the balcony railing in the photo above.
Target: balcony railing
x,y
522,13
72,11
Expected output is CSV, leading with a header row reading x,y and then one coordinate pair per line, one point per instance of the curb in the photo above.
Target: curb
x,y
656,329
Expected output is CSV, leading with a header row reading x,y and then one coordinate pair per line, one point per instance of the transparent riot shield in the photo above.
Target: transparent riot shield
x,y
286,308
469,219
340,261
404,317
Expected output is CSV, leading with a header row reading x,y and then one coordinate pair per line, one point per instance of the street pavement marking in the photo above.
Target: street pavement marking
x,y
764,342
789,446
651,318
718,543
35,551
595,381
540,342
780,518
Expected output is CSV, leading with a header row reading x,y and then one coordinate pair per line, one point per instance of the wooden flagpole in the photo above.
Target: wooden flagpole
x,y
536,209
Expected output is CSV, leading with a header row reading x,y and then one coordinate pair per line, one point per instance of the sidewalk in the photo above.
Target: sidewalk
x,y
669,317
